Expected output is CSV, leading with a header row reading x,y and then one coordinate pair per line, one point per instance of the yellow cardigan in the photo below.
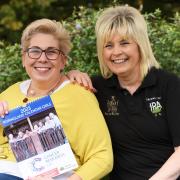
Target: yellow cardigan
x,y
83,124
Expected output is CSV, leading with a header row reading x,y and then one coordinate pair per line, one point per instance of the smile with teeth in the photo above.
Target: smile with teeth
x,y
119,61
42,68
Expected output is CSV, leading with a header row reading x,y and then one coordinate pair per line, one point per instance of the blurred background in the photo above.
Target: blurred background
x,y
16,14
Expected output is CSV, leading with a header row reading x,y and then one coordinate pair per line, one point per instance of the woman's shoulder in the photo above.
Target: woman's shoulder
x,y
97,78
99,81
74,91
12,89
165,76
163,79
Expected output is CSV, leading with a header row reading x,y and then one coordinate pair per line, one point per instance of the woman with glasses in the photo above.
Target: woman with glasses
x,y
45,47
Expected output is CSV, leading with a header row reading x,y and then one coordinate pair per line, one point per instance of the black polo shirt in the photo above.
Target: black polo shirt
x,y
145,126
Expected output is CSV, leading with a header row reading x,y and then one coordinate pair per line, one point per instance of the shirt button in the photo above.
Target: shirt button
x,y
3,157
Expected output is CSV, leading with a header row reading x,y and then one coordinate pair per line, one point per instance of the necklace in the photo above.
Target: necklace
x,y
31,92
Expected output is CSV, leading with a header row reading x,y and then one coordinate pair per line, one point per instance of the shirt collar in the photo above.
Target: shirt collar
x,y
149,80
113,82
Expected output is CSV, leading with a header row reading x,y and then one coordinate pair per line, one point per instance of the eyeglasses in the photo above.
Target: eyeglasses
x,y
50,53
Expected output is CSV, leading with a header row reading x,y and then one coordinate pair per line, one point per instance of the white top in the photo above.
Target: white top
x,y
24,86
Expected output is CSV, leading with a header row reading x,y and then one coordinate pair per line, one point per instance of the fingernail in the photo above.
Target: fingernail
x,y
6,112
2,116
94,90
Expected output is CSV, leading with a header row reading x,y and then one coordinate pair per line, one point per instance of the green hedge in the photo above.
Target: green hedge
x,y
165,39
164,35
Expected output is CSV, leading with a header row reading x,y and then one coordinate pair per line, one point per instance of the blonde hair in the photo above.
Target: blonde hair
x,y
129,23
47,26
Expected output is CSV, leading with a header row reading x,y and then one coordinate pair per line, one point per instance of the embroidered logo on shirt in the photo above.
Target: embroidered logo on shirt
x,y
155,105
112,107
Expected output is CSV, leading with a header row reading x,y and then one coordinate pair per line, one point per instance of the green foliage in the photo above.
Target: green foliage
x,y
165,38
83,55
17,13
11,69
164,35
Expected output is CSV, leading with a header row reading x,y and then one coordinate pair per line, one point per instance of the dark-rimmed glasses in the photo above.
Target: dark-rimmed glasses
x,y
50,53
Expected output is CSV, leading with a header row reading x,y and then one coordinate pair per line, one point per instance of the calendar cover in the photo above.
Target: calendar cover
x,y
37,139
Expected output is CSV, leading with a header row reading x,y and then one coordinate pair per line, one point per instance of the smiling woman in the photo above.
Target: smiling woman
x,y
140,101
44,56
45,46
45,66
122,57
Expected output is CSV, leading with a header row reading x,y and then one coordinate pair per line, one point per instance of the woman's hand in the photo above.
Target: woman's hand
x,y
41,177
74,177
83,79
170,169
3,108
